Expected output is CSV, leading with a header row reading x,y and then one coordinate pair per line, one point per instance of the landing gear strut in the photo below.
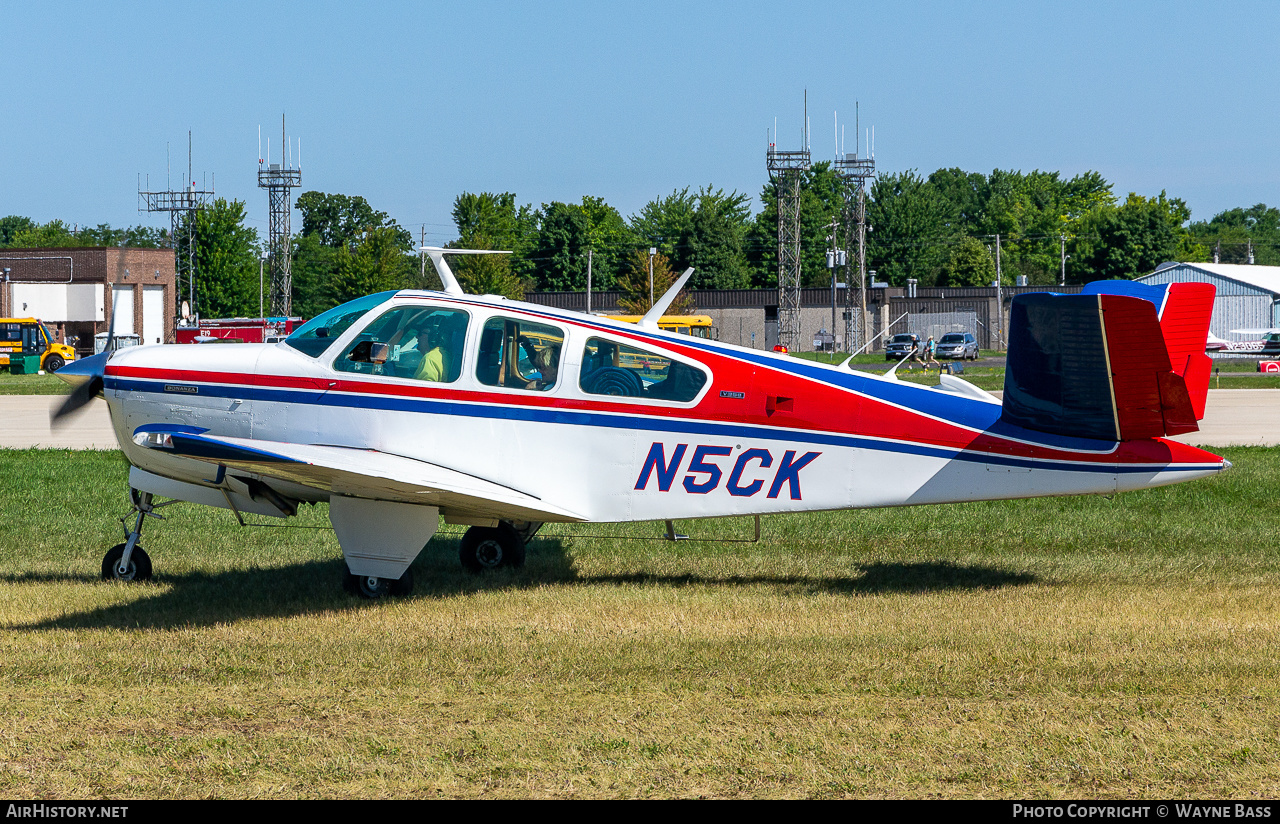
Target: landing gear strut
x,y
129,561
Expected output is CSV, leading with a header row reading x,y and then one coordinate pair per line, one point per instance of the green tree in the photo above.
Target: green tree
x,y
556,257
1130,240
332,223
1234,232
969,264
13,225
912,230
340,220
491,221
376,262
635,287
226,257
54,234
707,230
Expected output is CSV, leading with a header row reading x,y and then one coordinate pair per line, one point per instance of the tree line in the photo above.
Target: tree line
x,y
948,229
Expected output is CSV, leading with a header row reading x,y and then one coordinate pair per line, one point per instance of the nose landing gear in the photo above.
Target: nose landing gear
x,y
129,561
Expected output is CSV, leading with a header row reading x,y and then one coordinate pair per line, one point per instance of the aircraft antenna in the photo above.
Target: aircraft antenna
x,y
182,205
786,173
279,179
854,173
659,308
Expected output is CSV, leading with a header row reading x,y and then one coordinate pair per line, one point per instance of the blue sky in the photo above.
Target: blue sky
x,y
409,104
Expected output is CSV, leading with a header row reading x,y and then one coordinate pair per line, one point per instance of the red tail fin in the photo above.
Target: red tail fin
x,y
1185,325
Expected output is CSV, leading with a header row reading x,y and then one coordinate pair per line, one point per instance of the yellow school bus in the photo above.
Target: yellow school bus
x,y
28,336
698,326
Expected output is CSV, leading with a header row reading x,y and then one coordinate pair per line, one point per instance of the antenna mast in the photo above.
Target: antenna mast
x,y
182,205
279,179
786,172
855,171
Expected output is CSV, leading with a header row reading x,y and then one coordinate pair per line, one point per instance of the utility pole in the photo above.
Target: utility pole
x,y
653,250
836,257
999,300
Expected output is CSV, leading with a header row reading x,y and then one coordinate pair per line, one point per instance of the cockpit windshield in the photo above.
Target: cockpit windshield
x,y
319,333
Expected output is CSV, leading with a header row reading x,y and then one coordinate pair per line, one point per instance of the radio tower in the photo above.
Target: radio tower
x,y
786,172
279,179
855,172
178,202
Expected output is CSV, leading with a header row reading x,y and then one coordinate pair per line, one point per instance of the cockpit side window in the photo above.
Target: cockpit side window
x,y
318,334
422,343
518,354
611,368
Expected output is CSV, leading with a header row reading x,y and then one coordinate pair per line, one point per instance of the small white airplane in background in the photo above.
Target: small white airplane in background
x,y
1269,344
402,408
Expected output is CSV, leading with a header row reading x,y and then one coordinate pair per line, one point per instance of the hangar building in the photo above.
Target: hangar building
x,y
75,290
1248,296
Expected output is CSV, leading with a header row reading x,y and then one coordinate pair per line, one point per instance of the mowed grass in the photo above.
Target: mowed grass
x,y
1079,647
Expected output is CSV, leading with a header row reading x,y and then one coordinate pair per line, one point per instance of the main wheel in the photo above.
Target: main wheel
x,y
139,565
373,587
53,363
490,548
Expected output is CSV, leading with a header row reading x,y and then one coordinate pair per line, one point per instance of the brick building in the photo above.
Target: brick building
x,y
75,290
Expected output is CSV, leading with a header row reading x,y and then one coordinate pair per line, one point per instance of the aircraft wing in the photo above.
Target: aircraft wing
x,y
361,473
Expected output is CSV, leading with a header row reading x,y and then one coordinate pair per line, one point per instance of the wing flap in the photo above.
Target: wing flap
x,y
361,473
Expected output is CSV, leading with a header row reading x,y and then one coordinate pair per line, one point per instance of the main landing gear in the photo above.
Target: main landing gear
x,y
129,561
485,547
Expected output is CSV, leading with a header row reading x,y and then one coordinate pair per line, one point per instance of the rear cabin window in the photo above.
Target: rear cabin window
x,y
611,368
421,343
518,354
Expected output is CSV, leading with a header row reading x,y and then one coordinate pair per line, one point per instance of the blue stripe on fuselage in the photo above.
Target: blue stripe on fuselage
x,y
634,422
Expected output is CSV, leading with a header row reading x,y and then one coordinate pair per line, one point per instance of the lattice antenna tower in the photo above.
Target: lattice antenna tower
x,y
182,205
855,171
786,172
279,179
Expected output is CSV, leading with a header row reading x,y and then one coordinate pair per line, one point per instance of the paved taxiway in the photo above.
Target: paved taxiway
x,y
1235,417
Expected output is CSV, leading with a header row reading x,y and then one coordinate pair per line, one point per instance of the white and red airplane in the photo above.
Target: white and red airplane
x,y
402,408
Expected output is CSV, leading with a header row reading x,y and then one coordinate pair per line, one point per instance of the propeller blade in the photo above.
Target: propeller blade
x,y
86,378
79,397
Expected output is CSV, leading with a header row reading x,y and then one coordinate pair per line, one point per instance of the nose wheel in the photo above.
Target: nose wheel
x,y
129,561
373,587
115,568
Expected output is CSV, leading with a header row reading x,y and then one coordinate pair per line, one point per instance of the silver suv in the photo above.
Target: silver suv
x,y
958,346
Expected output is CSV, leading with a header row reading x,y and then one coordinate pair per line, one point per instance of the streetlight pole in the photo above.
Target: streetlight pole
x,y
653,250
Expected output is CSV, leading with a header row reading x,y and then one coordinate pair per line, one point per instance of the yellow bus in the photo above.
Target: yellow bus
x,y
698,326
28,336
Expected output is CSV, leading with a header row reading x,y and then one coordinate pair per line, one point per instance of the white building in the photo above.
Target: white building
x,y
1248,296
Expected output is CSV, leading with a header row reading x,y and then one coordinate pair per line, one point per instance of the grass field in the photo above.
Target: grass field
x,y
1078,647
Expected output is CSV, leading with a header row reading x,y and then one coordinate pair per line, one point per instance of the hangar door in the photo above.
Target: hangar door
x,y
152,314
122,307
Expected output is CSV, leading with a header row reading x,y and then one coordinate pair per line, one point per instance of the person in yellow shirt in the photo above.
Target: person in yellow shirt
x,y
433,342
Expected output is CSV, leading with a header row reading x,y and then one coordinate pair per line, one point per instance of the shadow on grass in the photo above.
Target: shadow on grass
x,y
206,599
876,579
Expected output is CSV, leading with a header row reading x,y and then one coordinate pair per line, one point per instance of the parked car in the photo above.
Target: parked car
x,y
900,346
958,346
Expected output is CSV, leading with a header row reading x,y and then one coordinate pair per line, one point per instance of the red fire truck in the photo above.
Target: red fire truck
x,y
238,330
